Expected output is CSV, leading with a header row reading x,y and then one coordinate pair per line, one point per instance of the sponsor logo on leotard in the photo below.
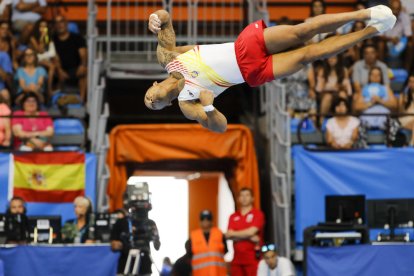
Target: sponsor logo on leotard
x,y
256,25
194,74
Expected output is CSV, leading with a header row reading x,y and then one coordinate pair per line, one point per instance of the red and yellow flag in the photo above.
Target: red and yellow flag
x,y
49,177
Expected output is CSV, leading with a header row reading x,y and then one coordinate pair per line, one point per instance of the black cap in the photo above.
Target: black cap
x,y
206,214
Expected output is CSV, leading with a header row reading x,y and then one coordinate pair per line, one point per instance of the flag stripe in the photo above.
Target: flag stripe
x,y
55,196
46,158
49,177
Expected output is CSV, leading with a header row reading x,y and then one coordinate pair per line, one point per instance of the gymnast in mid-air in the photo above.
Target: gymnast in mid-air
x,y
199,73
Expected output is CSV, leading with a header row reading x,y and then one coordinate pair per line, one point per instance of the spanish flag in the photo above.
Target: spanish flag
x,y
49,177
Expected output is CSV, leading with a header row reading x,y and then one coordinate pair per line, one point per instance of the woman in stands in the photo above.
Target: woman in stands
x,y
342,129
406,105
5,128
32,133
30,76
330,77
376,97
77,230
42,43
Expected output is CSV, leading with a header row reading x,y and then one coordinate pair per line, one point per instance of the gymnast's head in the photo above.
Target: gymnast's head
x,y
157,96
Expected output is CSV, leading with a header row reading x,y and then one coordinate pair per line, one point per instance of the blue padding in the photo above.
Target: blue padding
x,y
67,148
376,173
68,126
1,268
366,260
73,28
306,127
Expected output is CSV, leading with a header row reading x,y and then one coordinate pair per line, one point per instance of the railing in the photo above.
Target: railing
x,y
130,49
278,122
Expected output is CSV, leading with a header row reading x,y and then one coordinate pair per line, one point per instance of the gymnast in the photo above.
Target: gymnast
x,y
199,73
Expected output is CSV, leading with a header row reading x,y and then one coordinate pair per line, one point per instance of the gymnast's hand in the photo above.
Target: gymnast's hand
x,y
206,97
154,23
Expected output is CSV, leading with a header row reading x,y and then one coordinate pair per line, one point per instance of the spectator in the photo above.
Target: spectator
x,y
30,76
376,97
332,75
8,42
317,7
166,267
182,267
16,225
46,53
361,68
26,12
399,38
77,230
5,128
246,230
122,235
342,129
5,10
32,133
299,96
354,54
406,105
71,49
208,246
274,265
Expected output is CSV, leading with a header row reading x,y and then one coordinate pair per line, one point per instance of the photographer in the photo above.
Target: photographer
x,y
16,226
135,231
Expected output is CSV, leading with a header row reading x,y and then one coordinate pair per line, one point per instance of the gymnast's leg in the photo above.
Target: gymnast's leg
x,y
289,62
280,38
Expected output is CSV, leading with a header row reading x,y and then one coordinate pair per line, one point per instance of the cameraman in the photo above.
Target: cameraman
x,y
16,226
125,236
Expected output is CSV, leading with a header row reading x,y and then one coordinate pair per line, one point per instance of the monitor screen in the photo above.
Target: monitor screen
x,y
345,209
394,212
43,225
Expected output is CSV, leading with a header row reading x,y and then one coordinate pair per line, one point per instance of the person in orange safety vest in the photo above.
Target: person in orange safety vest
x,y
208,246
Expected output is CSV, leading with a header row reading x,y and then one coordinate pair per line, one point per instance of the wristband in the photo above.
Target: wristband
x,y
208,108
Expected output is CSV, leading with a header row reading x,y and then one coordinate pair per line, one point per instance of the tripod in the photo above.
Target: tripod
x,y
135,256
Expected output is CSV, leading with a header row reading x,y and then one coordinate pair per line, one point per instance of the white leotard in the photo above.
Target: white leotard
x,y
206,67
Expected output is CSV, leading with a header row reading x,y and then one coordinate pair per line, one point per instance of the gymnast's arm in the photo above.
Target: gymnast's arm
x,y
213,120
160,24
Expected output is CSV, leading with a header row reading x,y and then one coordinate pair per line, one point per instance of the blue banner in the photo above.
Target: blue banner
x,y
66,210
377,173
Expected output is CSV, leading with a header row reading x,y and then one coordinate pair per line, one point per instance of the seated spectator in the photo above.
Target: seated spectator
x,y
5,10
30,76
71,49
42,43
16,225
274,265
299,96
317,7
376,97
342,129
8,43
361,68
77,230
406,105
26,12
330,77
5,128
32,133
399,39
354,53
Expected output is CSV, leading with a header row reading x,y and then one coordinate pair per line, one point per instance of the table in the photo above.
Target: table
x,y
59,260
365,260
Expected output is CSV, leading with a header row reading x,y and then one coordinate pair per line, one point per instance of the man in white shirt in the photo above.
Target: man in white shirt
x,y
274,265
26,12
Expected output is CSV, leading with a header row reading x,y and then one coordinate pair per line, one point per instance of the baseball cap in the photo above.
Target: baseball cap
x,y
206,214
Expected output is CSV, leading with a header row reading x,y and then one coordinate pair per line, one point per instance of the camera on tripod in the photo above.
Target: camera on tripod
x,y
142,230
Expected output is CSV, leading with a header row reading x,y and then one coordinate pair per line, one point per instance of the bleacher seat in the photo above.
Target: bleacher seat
x,y
68,132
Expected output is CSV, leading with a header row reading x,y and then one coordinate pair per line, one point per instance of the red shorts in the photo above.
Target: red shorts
x,y
252,57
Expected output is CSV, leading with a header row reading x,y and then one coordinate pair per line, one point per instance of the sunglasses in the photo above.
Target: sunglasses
x,y
268,247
